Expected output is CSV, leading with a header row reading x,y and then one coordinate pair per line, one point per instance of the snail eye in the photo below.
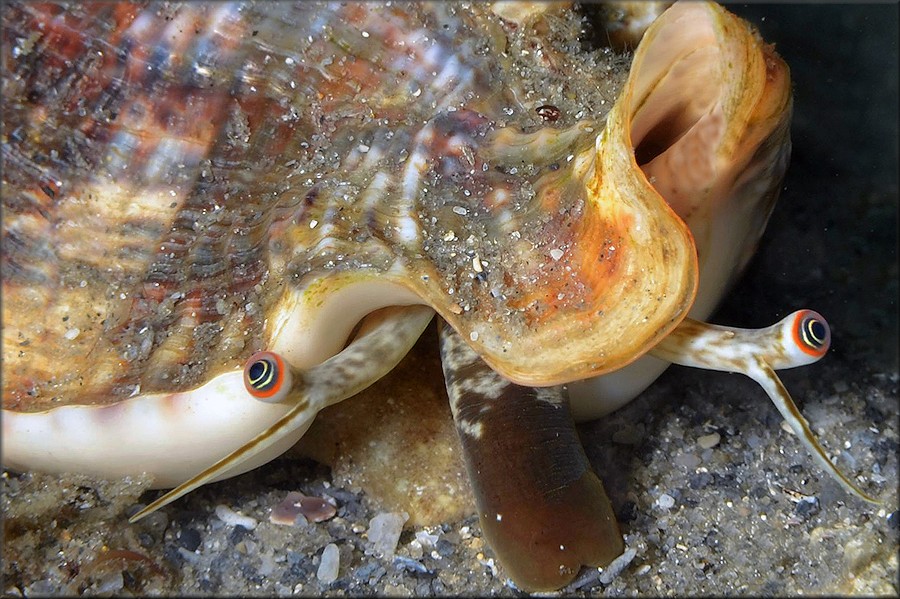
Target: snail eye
x,y
267,377
811,333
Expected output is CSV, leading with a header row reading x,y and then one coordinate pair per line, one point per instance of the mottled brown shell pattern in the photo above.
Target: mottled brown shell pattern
x,y
173,172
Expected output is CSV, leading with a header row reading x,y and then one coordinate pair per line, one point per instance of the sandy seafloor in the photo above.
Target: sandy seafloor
x,y
750,515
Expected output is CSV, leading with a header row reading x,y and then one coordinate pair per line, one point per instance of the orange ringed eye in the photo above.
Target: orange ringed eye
x,y
264,375
811,334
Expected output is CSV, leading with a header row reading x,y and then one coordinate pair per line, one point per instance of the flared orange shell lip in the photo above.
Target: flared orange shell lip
x,y
603,269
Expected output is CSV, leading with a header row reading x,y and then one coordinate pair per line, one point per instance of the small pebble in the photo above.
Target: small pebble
x,y
665,501
384,532
40,587
754,442
627,435
189,556
617,566
110,584
445,548
708,441
587,578
365,571
405,563
687,460
414,548
267,564
298,508
238,534
232,518
425,539
700,480
893,520
188,538
329,564
808,506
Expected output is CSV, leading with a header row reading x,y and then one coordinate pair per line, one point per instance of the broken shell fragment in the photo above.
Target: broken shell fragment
x,y
296,504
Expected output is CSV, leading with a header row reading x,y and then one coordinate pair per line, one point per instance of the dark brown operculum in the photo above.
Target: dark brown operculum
x,y
543,510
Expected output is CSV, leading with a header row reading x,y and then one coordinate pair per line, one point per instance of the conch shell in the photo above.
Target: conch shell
x,y
210,193
220,219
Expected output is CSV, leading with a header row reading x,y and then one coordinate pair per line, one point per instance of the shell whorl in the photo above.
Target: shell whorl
x,y
174,172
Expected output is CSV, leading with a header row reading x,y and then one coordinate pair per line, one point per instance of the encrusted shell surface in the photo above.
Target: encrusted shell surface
x,y
184,185
187,184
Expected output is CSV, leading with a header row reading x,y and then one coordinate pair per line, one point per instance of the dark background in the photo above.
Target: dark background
x,y
832,241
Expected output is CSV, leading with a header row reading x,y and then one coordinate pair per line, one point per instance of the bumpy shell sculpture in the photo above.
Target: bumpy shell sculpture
x,y
221,218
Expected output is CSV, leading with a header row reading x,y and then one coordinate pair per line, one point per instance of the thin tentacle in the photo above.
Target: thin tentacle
x,y
374,353
800,338
763,374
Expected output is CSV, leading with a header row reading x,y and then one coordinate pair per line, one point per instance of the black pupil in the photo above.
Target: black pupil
x,y
257,369
818,332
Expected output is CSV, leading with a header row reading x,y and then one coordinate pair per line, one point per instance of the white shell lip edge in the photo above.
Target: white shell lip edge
x,y
172,436
720,256
306,334
169,436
